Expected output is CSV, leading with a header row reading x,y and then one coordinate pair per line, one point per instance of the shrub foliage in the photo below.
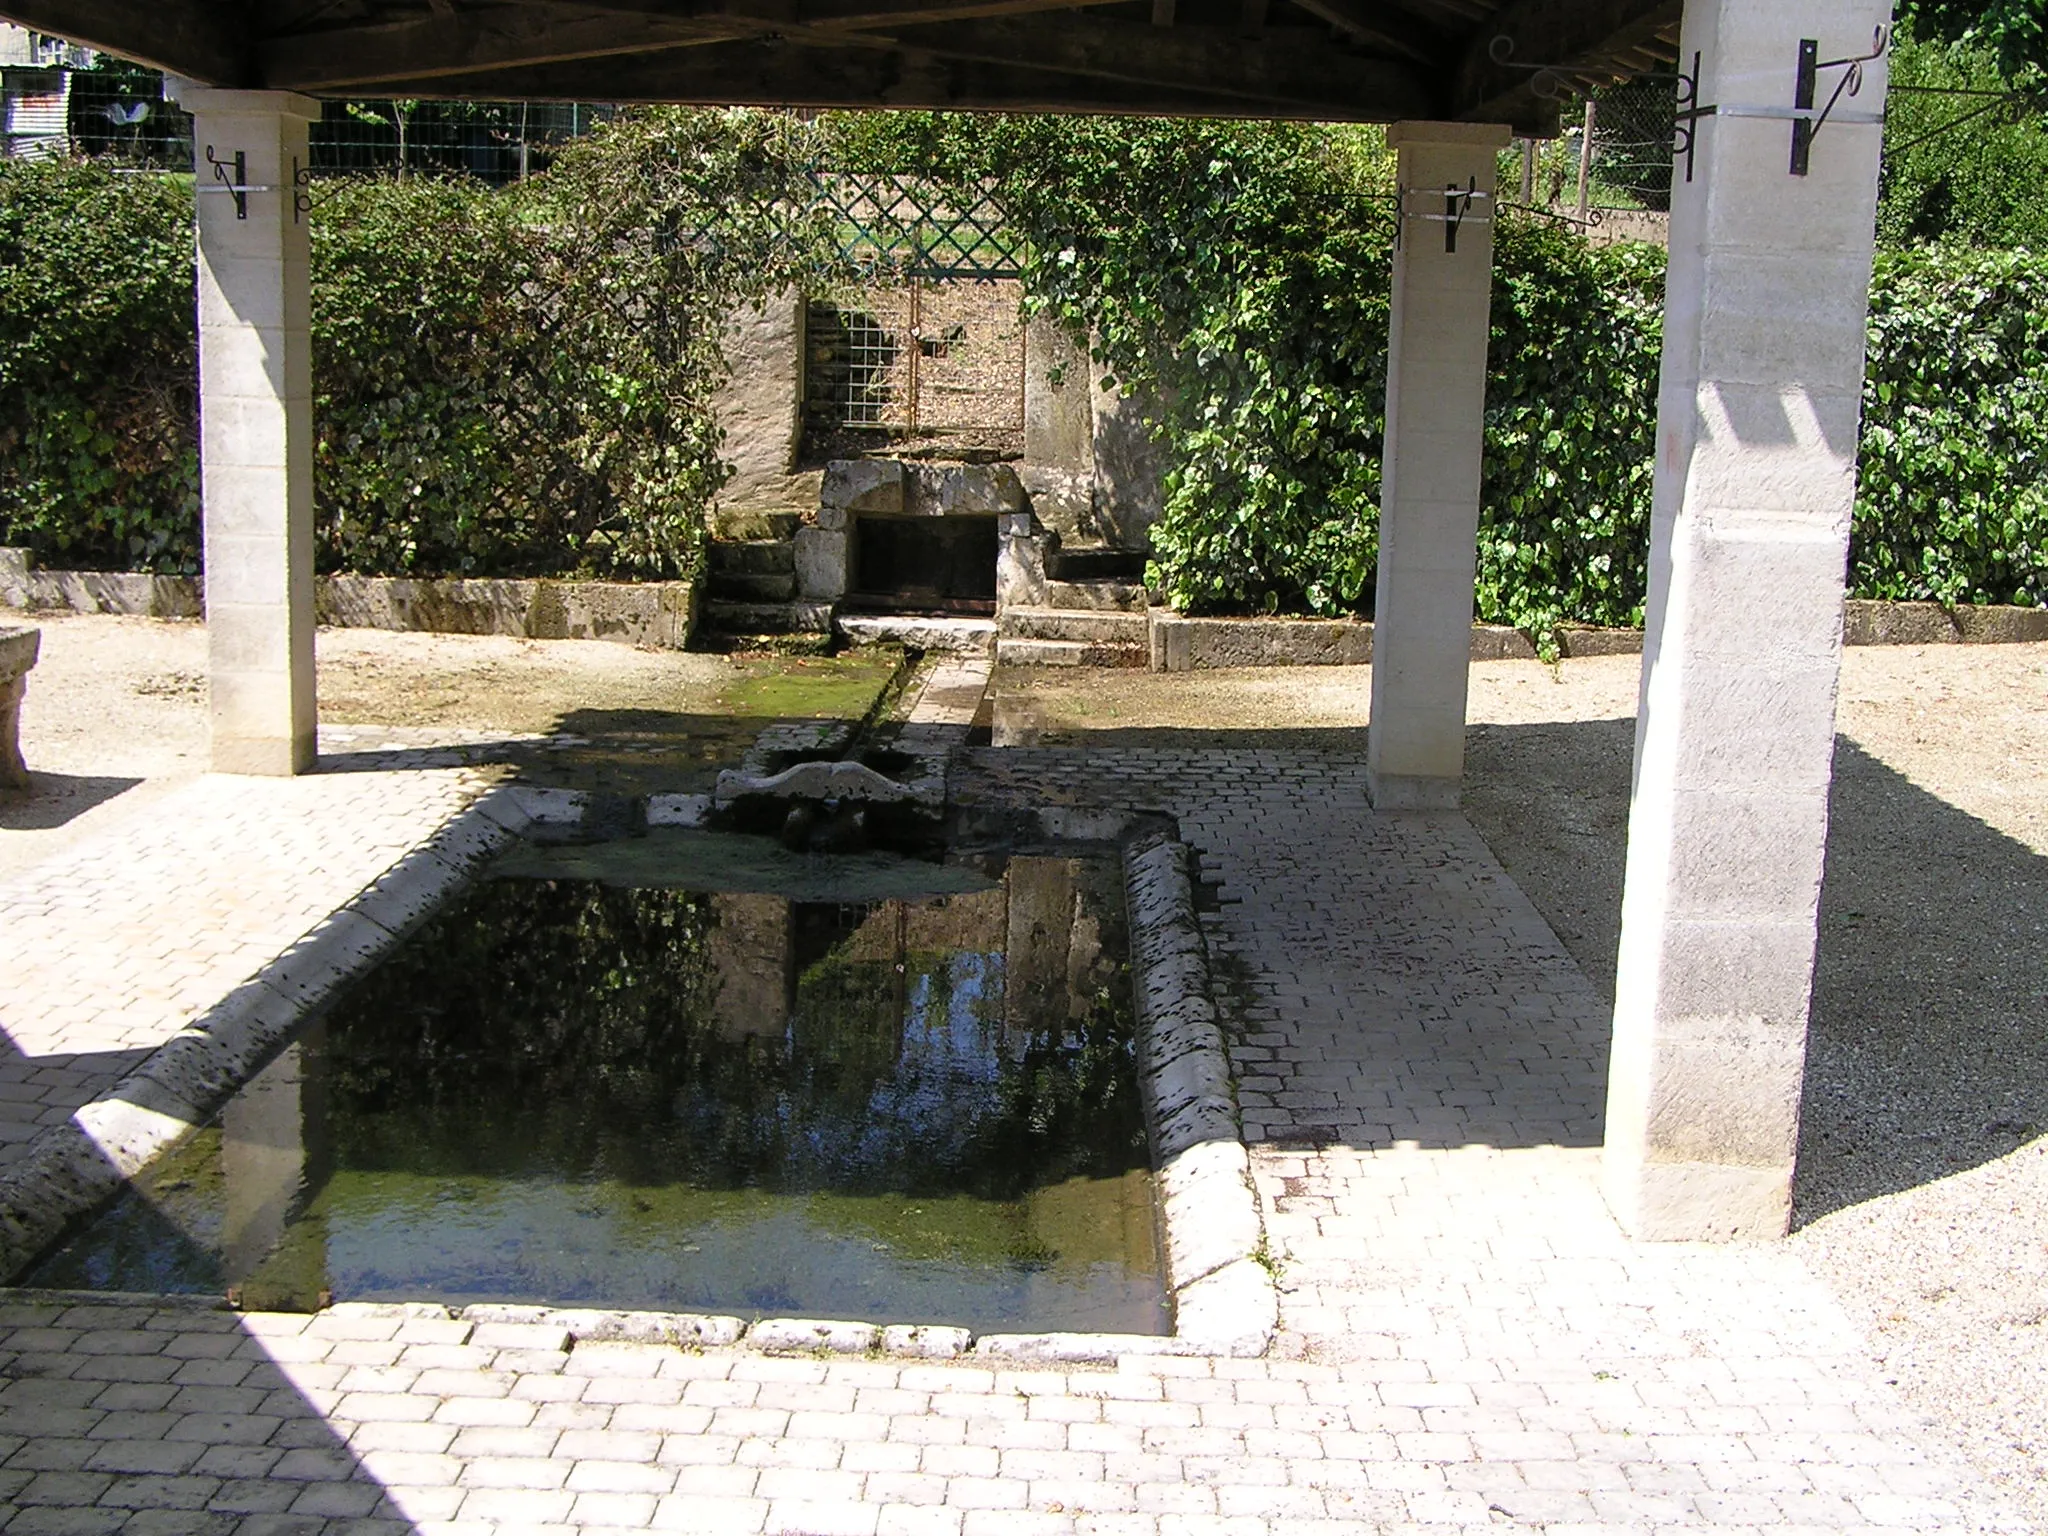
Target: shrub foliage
x,y
519,381
508,382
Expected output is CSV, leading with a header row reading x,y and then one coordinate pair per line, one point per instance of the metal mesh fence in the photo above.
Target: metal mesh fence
x,y
122,116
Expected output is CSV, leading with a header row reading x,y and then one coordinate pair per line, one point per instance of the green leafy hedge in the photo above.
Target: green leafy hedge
x,y
509,382
1952,495
99,461
1238,273
519,381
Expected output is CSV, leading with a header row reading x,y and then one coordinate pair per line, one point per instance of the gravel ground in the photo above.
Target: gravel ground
x,y
1922,1195
116,709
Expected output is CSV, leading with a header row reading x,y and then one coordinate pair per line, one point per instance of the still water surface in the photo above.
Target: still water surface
x,y
578,1086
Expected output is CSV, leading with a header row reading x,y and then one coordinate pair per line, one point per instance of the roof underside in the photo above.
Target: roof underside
x,y
1334,60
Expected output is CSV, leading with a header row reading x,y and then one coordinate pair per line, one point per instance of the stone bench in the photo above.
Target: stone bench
x,y
18,651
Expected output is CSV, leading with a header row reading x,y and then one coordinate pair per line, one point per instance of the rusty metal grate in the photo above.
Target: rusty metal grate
x,y
920,361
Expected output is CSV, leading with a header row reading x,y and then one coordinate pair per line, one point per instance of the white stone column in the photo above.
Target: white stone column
x,y
1755,478
256,427
1429,490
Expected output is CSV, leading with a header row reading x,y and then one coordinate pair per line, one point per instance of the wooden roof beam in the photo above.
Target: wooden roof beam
x,y
485,40
1580,39
776,71
1374,27
201,41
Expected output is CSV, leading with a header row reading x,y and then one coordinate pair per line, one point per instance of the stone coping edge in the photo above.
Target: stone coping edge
x,y
1224,1298
525,1327
662,614
1181,644
70,1169
1217,1262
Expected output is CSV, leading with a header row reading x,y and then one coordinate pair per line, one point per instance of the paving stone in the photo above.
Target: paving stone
x,y
1465,1338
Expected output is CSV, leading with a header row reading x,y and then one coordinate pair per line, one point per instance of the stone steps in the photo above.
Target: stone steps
x,y
751,570
748,618
751,587
1019,651
1096,563
751,557
1097,596
1096,626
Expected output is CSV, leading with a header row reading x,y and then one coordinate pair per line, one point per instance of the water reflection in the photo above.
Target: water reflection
x,y
906,1109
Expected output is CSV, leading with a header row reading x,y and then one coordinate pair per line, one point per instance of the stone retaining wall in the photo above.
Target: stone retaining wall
x,y
1194,645
654,613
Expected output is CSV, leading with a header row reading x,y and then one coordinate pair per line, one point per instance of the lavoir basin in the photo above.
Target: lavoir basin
x,y
692,1071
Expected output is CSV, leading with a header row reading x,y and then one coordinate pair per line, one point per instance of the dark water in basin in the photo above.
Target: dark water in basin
x,y
914,1106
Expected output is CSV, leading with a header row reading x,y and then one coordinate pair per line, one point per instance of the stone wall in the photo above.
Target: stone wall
x,y
1090,466
760,410
655,613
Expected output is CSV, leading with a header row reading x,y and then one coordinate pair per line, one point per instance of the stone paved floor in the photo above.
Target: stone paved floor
x,y
110,948
1468,1342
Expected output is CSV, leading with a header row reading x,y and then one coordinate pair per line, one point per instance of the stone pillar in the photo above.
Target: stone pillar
x,y
256,427
1429,487
1755,478
19,648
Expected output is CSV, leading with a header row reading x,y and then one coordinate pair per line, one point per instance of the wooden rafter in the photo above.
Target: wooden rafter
x,y
498,37
186,37
1387,59
1373,26
776,71
1582,40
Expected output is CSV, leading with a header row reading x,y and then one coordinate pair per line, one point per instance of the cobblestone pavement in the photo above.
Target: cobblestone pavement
x,y
113,946
1468,1342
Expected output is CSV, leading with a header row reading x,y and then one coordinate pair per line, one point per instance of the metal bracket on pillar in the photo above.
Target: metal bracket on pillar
x,y
1690,111
1806,129
1457,212
303,201
233,180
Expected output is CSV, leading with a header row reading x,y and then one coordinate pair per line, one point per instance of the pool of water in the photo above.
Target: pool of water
x,y
694,1072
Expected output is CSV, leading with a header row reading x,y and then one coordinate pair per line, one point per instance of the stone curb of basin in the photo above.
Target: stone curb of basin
x,y
71,1168
556,1330
1225,1301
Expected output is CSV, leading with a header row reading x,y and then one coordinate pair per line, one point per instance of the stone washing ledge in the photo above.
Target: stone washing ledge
x,y
662,614
1224,1298
19,649
1181,644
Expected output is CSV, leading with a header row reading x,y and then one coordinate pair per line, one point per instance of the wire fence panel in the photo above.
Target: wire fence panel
x,y
901,222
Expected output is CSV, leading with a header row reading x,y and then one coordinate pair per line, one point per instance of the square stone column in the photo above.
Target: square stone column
x,y
1429,479
256,426
1755,479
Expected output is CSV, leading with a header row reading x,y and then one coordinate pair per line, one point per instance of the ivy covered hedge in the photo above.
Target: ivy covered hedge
x,y
507,382
518,381
1238,273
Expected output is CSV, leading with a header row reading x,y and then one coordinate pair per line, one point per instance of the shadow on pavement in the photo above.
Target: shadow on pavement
x,y
1926,1055
57,798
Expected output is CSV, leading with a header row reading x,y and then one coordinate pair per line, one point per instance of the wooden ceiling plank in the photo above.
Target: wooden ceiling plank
x,y
1369,25
472,42
1581,38
1277,65
783,72
201,41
